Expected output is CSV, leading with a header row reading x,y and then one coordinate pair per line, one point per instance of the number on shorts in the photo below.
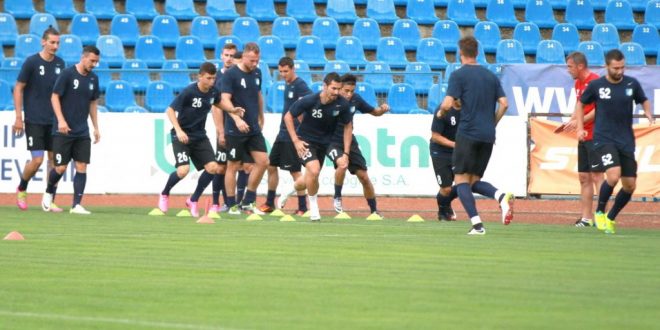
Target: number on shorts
x,y
333,154
232,152
439,179
58,158
30,141
607,159
221,157
307,155
181,157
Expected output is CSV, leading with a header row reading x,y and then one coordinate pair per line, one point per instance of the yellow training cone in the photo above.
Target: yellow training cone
x,y
287,218
214,215
156,211
254,217
184,214
375,217
415,218
306,214
342,216
277,213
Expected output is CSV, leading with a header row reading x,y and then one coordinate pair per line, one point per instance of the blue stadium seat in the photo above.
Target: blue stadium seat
x,y
142,10
302,10
488,34
11,66
60,8
382,11
408,31
27,45
287,29
275,100
647,36
418,111
316,86
310,49
599,5
436,95
102,71
125,26
246,29
620,13
166,28
367,93
221,10
272,50
401,98
119,95
112,50
567,34
418,75
607,35
159,95
462,12
368,31
550,52
540,13
70,49
340,67
176,73
261,10
639,5
421,11
633,53
447,32
6,96
502,13
349,49
101,9
510,51
227,40
190,50
327,29
8,30
432,52
652,13
20,9
135,109
480,3
182,10
593,51
86,27
558,4
266,78
136,73
378,75
580,13
150,50
391,51
343,11
303,71
529,36
40,22
519,4
205,28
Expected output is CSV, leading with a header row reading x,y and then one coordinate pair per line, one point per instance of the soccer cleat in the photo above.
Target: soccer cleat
x,y
21,199
314,214
54,208
224,208
265,208
193,207
164,203
475,231
251,209
46,201
215,208
78,209
283,198
234,210
507,208
610,226
601,220
583,223
300,213
336,202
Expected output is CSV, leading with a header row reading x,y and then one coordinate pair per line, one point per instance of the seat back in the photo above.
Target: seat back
x,y
70,49
327,29
8,29
104,75
112,50
27,45
367,93
261,10
529,36
40,22
10,69
101,9
222,41
166,28
540,13
567,34
86,27
6,96
135,72
607,35
272,50
447,31
340,67
378,75
246,29
418,75
620,13
142,10
593,51
20,9
310,49
221,10
159,95
303,71
501,12
287,29
510,51
431,51
550,52
150,50
652,13
421,11
125,26
205,28
382,11
488,34
368,31
401,98
190,50
408,31
436,95
182,10
119,95
343,11
349,49
462,12
275,100
633,53
60,8
302,11
176,73
390,50
647,36
580,13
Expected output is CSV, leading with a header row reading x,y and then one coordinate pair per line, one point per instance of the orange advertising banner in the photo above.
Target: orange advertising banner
x,y
553,159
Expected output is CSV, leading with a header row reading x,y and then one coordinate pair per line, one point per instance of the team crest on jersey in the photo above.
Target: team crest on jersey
x,y
629,91
91,86
57,70
335,113
256,80
212,100
353,109
291,94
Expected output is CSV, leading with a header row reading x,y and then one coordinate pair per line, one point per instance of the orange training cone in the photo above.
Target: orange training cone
x,y
205,219
14,236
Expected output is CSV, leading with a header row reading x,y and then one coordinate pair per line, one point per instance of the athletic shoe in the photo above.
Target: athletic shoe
x,y
46,201
601,220
314,214
164,203
300,213
583,223
54,208
336,202
78,209
610,226
507,208
215,208
194,208
234,210
475,231
224,208
376,216
251,209
283,197
21,199
265,208
446,214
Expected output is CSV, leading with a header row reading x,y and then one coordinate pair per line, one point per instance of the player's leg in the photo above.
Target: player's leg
x,y
36,144
301,194
311,177
586,186
182,160
50,164
446,193
203,157
234,159
334,152
465,163
62,149
81,154
218,183
628,185
256,146
610,162
273,177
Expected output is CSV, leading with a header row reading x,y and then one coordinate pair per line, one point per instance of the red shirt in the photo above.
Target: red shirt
x,y
580,86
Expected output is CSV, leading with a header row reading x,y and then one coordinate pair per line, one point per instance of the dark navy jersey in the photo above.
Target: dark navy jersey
x,y
614,110
218,78
76,92
357,103
320,120
39,77
478,89
292,92
193,106
244,88
447,127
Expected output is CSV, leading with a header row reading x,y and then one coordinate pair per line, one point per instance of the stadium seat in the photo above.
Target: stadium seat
x,y
303,71
633,53
510,51
266,78
462,12
447,32
391,51
382,11
8,30
136,73
86,27
418,111
501,12
310,49
529,36
112,50
519,4
418,75
326,29
10,69
125,26
275,100
261,10
70,49
166,28
302,10
349,49
421,11
580,13
27,45
599,5
272,50
368,31
340,67
550,52
227,40
620,13
246,29
316,86
488,34
176,73
103,72
367,93
205,28
639,5
540,13
343,11
221,10
182,10
101,9
378,75
20,9
647,36
436,95
6,96
432,52
408,31
402,99
607,35
287,29
60,8
567,34
135,109
480,3
40,22
652,13
593,51
149,49
190,50
142,10
119,95
159,95
558,4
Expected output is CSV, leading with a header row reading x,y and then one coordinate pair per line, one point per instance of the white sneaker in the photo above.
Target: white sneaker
x,y
475,231
46,201
252,209
234,210
283,197
507,208
336,202
78,209
314,213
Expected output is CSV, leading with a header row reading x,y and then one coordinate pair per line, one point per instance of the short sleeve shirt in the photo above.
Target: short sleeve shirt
x,y
292,92
580,86
244,88
193,106
447,127
39,77
357,103
76,92
320,120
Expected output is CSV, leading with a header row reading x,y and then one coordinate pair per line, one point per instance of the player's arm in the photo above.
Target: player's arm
x,y
18,107
348,137
219,122
180,134
445,106
300,145
579,119
501,110
228,106
261,111
62,125
646,105
441,140
93,115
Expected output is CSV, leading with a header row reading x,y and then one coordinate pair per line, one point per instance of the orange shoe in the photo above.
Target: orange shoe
x,y
265,208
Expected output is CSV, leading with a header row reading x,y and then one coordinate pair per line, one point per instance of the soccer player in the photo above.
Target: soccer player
x,y
357,165
283,154
322,112
613,138
479,91
32,94
241,89
441,147
74,98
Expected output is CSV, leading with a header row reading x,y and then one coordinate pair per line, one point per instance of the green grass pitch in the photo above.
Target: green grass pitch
x,y
120,269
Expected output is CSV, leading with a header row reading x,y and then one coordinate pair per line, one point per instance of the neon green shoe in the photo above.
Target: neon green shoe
x,y
601,220
610,227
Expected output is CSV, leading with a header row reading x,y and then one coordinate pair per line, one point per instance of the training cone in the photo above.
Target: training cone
x,y
287,218
306,214
156,212
374,217
342,216
254,217
184,214
415,218
205,219
14,236
214,215
277,213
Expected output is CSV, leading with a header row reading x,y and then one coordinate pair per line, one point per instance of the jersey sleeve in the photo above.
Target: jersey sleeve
x,y
302,89
638,95
62,83
345,116
96,93
500,90
26,71
177,103
216,98
362,105
589,94
438,125
226,83
453,88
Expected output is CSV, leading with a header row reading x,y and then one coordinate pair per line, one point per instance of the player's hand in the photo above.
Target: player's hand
x,y
221,139
342,161
18,127
570,126
239,111
581,134
440,113
301,148
182,137
63,127
385,107
97,136
242,126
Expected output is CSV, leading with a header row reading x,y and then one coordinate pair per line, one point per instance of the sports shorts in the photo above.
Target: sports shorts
x,y
587,159
611,156
442,166
66,148
199,151
283,155
471,157
356,160
39,137
239,148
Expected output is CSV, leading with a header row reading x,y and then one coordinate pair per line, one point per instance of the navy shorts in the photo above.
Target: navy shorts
x,y
471,157
66,148
239,148
39,137
199,151
611,156
314,152
442,166
356,160
587,159
283,155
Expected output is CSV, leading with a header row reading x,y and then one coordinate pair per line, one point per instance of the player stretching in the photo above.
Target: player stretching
x,y
441,147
